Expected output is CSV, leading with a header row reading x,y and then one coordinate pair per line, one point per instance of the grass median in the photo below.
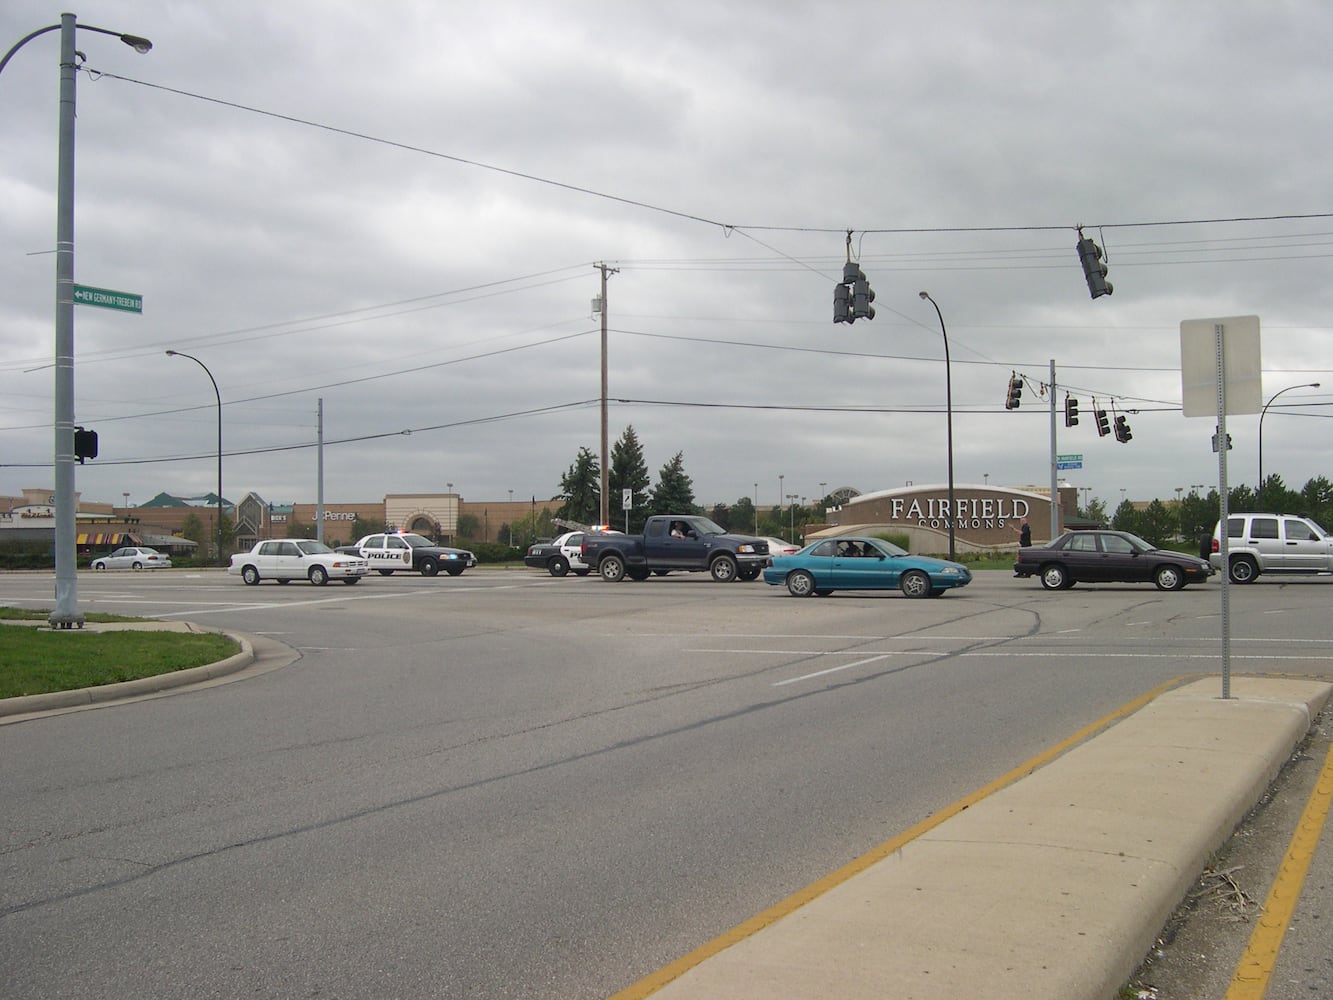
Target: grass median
x,y
39,661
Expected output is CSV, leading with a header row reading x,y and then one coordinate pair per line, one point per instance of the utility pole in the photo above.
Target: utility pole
x,y
319,495
604,517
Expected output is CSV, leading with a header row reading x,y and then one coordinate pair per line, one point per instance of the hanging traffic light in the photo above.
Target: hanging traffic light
x,y
85,444
1103,425
842,303
1122,433
1071,411
1094,269
852,296
1015,395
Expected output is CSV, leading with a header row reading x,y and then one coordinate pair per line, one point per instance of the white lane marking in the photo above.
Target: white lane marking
x,y
831,670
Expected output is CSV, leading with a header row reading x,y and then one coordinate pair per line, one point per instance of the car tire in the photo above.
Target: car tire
x,y
137,566
100,567
284,580
915,583
454,570
582,572
1168,578
384,572
319,575
638,573
823,592
250,575
1244,569
723,569
801,584
750,573
558,566
429,567
351,580
1054,577
612,568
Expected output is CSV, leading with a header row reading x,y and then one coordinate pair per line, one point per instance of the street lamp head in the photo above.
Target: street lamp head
x,y
171,354
924,295
140,45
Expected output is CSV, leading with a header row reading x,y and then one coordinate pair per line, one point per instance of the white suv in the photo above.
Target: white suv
x,y
1272,543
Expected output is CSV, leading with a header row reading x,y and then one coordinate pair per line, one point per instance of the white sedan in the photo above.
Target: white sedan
x,y
289,559
133,557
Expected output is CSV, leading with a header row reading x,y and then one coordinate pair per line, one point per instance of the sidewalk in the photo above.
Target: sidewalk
x,y
1053,887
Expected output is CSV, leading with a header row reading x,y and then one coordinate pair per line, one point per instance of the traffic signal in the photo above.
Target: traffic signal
x,y
1094,269
1103,425
852,296
85,444
1122,433
842,303
1071,411
1015,394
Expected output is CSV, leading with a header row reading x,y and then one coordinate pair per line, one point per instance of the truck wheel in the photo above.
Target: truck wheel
x,y
723,569
612,569
1243,569
250,575
750,573
558,566
582,572
319,575
429,567
638,573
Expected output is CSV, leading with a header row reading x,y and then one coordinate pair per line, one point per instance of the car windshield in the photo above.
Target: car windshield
x,y
888,548
416,541
312,548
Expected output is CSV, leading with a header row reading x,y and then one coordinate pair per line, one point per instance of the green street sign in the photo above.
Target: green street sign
x,y
108,299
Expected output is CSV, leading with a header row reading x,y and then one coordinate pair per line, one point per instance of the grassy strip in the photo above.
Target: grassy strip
x,y
34,661
40,615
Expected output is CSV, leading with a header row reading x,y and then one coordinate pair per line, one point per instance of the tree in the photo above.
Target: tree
x,y
467,526
674,492
1156,524
743,519
363,526
1127,518
581,489
1317,501
721,513
1096,511
193,529
628,471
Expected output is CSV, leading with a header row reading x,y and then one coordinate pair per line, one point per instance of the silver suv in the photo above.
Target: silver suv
x,y
1272,543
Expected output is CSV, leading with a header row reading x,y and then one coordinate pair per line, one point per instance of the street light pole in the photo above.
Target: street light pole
x,y
178,354
66,611
948,406
1259,487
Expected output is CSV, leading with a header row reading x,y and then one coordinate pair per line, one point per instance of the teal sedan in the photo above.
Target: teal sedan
x,y
861,563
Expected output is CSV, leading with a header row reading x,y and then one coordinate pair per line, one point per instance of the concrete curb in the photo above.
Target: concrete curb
x,y
1055,886
129,689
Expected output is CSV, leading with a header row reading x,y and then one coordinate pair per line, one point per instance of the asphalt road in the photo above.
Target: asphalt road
x,y
506,785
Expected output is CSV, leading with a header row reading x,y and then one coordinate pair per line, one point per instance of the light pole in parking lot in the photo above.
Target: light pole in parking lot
x,y
178,354
1259,487
948,409
66,612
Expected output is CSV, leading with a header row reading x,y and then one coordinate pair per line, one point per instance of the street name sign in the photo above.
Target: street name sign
x,y
85,295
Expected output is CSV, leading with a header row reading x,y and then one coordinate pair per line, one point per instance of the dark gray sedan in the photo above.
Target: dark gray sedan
x,y
1108,557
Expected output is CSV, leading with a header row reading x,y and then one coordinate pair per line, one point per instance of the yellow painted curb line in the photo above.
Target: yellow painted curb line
x,y
1255,969
653,982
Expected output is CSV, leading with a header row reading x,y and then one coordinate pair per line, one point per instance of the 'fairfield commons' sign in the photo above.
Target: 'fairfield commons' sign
x,y
980,515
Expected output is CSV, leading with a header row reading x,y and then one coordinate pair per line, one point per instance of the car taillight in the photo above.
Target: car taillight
x,y
1217,545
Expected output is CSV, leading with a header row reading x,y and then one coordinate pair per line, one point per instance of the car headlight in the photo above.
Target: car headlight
x,y
745,548
949,571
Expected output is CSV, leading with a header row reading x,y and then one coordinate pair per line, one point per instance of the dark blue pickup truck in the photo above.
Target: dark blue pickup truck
x,y
676,542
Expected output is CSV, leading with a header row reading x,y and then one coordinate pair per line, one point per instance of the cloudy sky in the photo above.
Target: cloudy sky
x,y
398,208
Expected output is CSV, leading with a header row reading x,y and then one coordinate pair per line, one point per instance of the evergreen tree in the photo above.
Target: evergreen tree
x,y
628,471
581,489
674,492
743,520
721,513
1156,524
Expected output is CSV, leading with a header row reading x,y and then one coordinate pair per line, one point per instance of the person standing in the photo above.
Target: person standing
x,y
1024,534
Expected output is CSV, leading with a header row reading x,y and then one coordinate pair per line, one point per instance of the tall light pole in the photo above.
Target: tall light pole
x,y
178,354
948,408
781,477
756,508
66,611
511,519
1259,488
791,517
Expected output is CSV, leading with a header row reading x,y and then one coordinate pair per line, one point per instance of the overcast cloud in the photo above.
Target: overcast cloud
x,y
728,147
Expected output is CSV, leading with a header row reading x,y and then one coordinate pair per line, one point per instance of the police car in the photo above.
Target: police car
x,y
391,551
564,555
